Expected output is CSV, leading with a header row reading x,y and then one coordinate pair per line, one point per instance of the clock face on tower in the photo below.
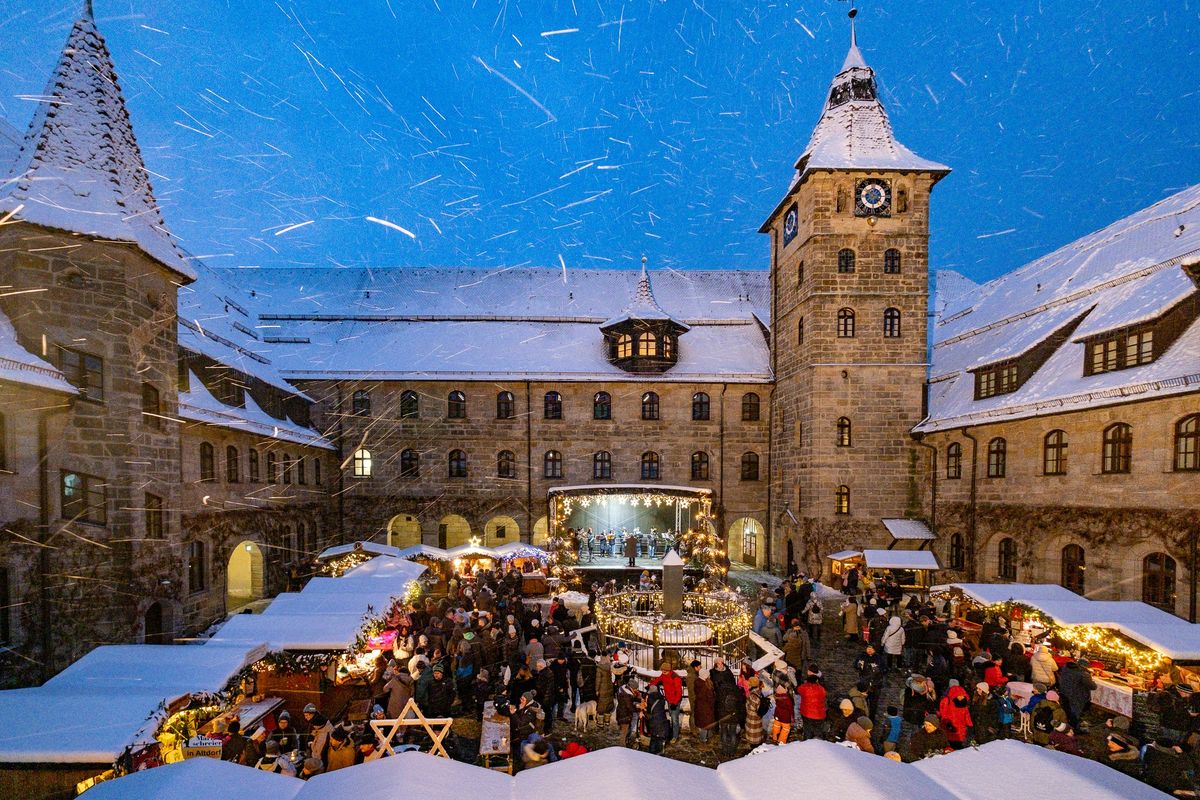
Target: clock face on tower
x,y
873,198
791,223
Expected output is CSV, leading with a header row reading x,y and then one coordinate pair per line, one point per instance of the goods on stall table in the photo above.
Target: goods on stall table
x,y
1115,697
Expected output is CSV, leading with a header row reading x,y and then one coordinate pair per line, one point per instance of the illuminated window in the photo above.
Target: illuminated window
x,y
361,466
647,344
624,346
841,500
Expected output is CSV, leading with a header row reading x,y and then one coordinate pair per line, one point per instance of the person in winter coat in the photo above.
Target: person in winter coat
x,y
813,710
840,722
564,686
993,674
604,687
534,652
1062,739
672,686
1042,667
522,724
770,631
627,703
399,688
785,714
1042,717
535,753
654,706
689,682
796,647
955,713
850,613
892,642
274,761
858,696
859,732
1075,685
1016,663
319,728
927,740
755,708
440,696
547,692
920,699
814,616
234,746
891,731
284,734
984,714
703,702
340,752
1006,711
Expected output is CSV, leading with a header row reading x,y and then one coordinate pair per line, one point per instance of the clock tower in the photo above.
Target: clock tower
x,y
850,291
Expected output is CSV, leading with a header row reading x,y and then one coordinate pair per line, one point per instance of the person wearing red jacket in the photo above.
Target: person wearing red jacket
x,y
955,713
785,714
994,675
812,708
673,690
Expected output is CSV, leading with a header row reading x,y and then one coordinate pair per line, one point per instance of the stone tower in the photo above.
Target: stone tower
x,y
850,287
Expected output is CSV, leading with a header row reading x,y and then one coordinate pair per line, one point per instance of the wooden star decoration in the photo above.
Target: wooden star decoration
x,y
386,729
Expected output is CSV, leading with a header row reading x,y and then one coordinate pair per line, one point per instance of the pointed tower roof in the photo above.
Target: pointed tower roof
x,y
854,131
644,306
80,168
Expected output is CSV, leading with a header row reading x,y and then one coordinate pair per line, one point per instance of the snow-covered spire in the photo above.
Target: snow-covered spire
x,y
644,306
80,168
854,131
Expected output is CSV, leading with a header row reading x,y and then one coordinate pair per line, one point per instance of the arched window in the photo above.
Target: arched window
x,y
361,466
456,405
800,274
624,346
749,466
699,466
1007,550
891,261
1187,444
846,260
552,406
272,472
997,458
953,461
602,406
844,432
1118,448
300,479
841,500
253,456
699,406
410,463
410,406
1054,454
800,331
891,323
650,405
506,464
1072,568
750,407
208,466
232,465
602,465
506,406
1158,581
287,468
957,552
647,344
845,323
457,463
360,404
552,464
650,466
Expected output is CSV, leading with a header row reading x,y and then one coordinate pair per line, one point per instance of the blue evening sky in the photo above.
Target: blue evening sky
x,y
589,132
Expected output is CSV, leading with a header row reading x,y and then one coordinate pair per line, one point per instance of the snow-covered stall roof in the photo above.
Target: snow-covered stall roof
x,y
1159,630
371,548
908,529
80,168
900,559
198,404
1121,275
520,550
423,551
619,772
467,550
825,769
90,712
198,777
975,773
18,365
410,776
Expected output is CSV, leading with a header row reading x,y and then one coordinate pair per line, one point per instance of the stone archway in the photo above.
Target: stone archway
x,y
745,541
245,580
453,530
541,532
404,530
501,530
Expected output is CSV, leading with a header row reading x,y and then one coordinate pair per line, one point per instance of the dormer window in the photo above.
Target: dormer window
x,y
643,337
1120,351
996,379
647,345
624,346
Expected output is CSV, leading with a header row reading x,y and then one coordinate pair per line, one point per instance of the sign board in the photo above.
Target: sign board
x,y
202,747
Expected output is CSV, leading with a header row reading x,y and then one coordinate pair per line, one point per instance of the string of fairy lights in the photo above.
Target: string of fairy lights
x,y
726,615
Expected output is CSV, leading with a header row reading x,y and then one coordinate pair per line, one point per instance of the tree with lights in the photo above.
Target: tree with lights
x,y
563,548
704,548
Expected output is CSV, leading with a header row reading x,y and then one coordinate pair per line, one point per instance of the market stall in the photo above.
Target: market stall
x,y
913,569
336,561
1135,651
527,560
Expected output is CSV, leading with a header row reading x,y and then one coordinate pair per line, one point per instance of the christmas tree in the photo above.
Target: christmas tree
x,y
563,547
704,549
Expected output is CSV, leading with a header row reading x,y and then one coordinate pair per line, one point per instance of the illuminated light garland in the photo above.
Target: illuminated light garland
x,y
337,567
728,617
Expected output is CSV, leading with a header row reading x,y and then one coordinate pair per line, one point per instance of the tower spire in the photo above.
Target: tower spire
x,y
854,58
87,10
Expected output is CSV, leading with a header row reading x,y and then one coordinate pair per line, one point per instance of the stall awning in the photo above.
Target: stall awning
x,y
521,550
900,559
468,550
908,529
369,548
842,555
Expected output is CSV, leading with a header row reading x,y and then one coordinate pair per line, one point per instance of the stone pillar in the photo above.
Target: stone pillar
x,y
672,586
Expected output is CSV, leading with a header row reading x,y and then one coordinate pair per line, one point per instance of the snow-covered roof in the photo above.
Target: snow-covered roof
x,y
908,529
370,548
974,773
618,772
1158,630
423,551
18,365
80,168
198,404
183,781
842,555
93,710
520,550
644,306
900,559
1121,275
466,550
410,776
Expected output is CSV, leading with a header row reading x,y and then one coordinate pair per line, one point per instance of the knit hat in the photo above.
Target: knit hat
x,y
1052,696
931,719
865,723
284,715
271,748
1118,723
846,705
314,764
541,663
892,756
530,695
310,709
982,687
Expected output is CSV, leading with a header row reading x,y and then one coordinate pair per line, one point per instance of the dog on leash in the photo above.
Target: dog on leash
x,y
585,715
